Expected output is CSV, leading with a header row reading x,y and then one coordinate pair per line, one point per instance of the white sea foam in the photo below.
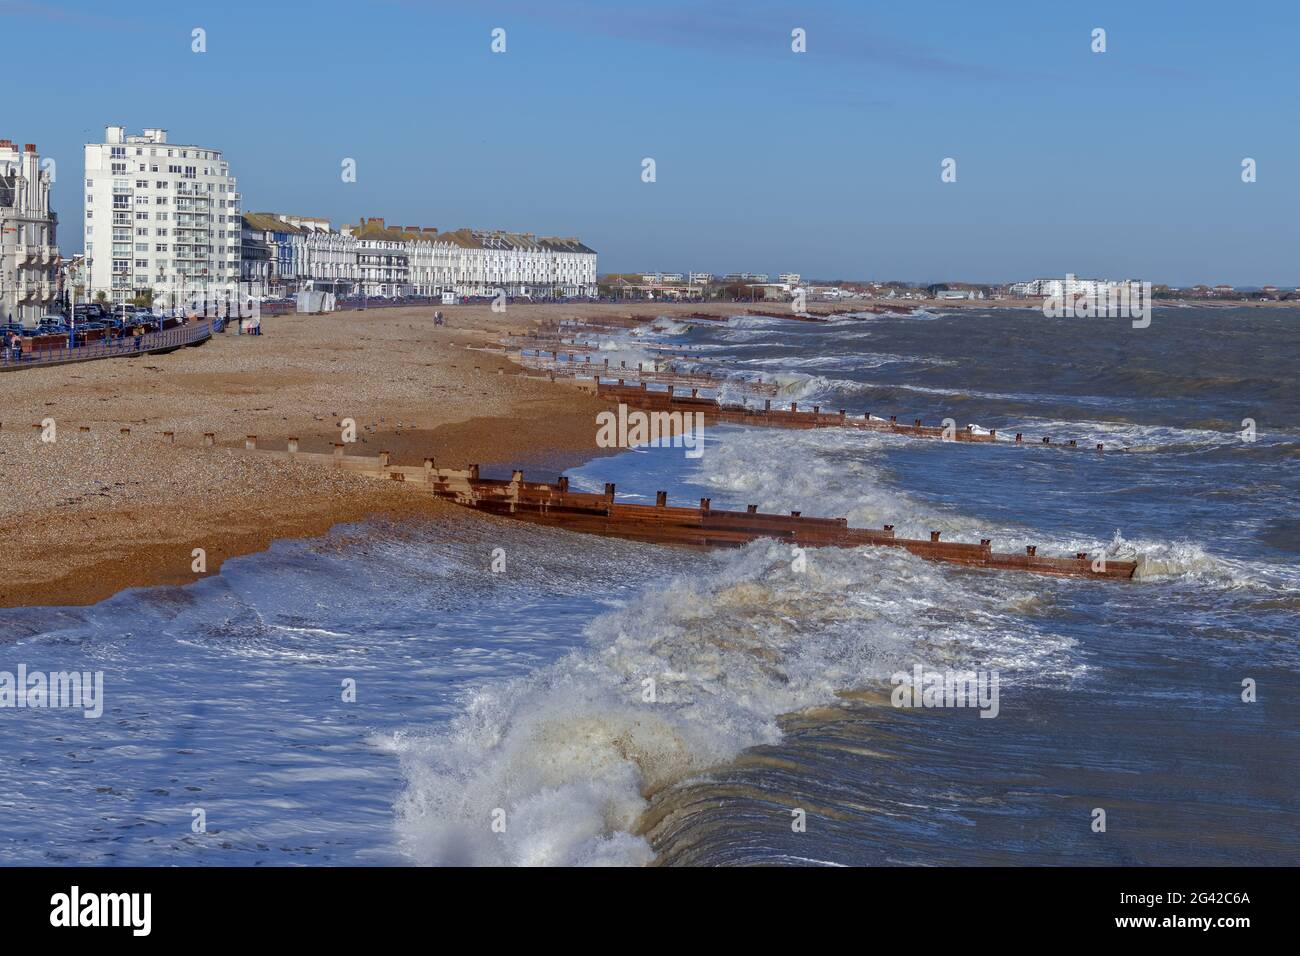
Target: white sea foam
x,y
572,753
836,473
753,322
1129,435
841,363
669,327
1188,561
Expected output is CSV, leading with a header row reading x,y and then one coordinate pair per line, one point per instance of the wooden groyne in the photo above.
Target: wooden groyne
x,y
575,361
704,526
575,365
647,399
823,315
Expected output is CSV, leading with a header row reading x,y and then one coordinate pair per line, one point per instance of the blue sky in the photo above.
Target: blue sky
x,y
1120,164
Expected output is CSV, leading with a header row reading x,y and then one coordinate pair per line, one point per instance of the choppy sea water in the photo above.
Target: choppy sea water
x,y
519,696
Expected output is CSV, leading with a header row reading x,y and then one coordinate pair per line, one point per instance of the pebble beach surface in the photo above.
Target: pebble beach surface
x,y
96,511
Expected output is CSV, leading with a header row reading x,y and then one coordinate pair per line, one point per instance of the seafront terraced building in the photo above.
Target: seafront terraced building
x,y
414,260
29,255
283,254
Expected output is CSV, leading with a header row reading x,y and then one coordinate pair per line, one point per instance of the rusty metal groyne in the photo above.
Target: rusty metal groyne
x,y
557,505
644,398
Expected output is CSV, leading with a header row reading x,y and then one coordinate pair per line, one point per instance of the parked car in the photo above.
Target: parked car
x,y
89,310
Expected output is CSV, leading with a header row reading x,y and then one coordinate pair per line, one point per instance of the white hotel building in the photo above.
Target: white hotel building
x,y
28,255
159,215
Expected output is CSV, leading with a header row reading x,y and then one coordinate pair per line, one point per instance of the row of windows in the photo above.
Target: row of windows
x,y
182,201
121,185
122,216
119,152
125,248
122,235
187,172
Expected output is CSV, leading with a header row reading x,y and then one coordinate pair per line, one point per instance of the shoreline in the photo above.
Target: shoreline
x,y
97,512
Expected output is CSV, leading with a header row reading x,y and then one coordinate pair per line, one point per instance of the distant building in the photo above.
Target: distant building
x,y
29,254
286,254
1062,288
256,255
789,278
471,262
383,261
770,291
428,257
701,278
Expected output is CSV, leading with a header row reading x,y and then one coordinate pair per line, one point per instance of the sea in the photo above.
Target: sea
x,y
476,691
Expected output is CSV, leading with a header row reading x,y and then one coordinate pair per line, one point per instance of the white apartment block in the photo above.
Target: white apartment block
x,y
1061,288
701,278
789,278
159,216
29,256
662,278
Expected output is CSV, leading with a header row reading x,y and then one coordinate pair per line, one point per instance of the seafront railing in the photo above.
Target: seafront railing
x,y
189,334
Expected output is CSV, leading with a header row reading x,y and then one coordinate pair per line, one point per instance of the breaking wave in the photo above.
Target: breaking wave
x,y
568,758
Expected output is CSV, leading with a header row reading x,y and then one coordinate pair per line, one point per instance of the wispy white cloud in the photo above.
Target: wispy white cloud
x,y
729,28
